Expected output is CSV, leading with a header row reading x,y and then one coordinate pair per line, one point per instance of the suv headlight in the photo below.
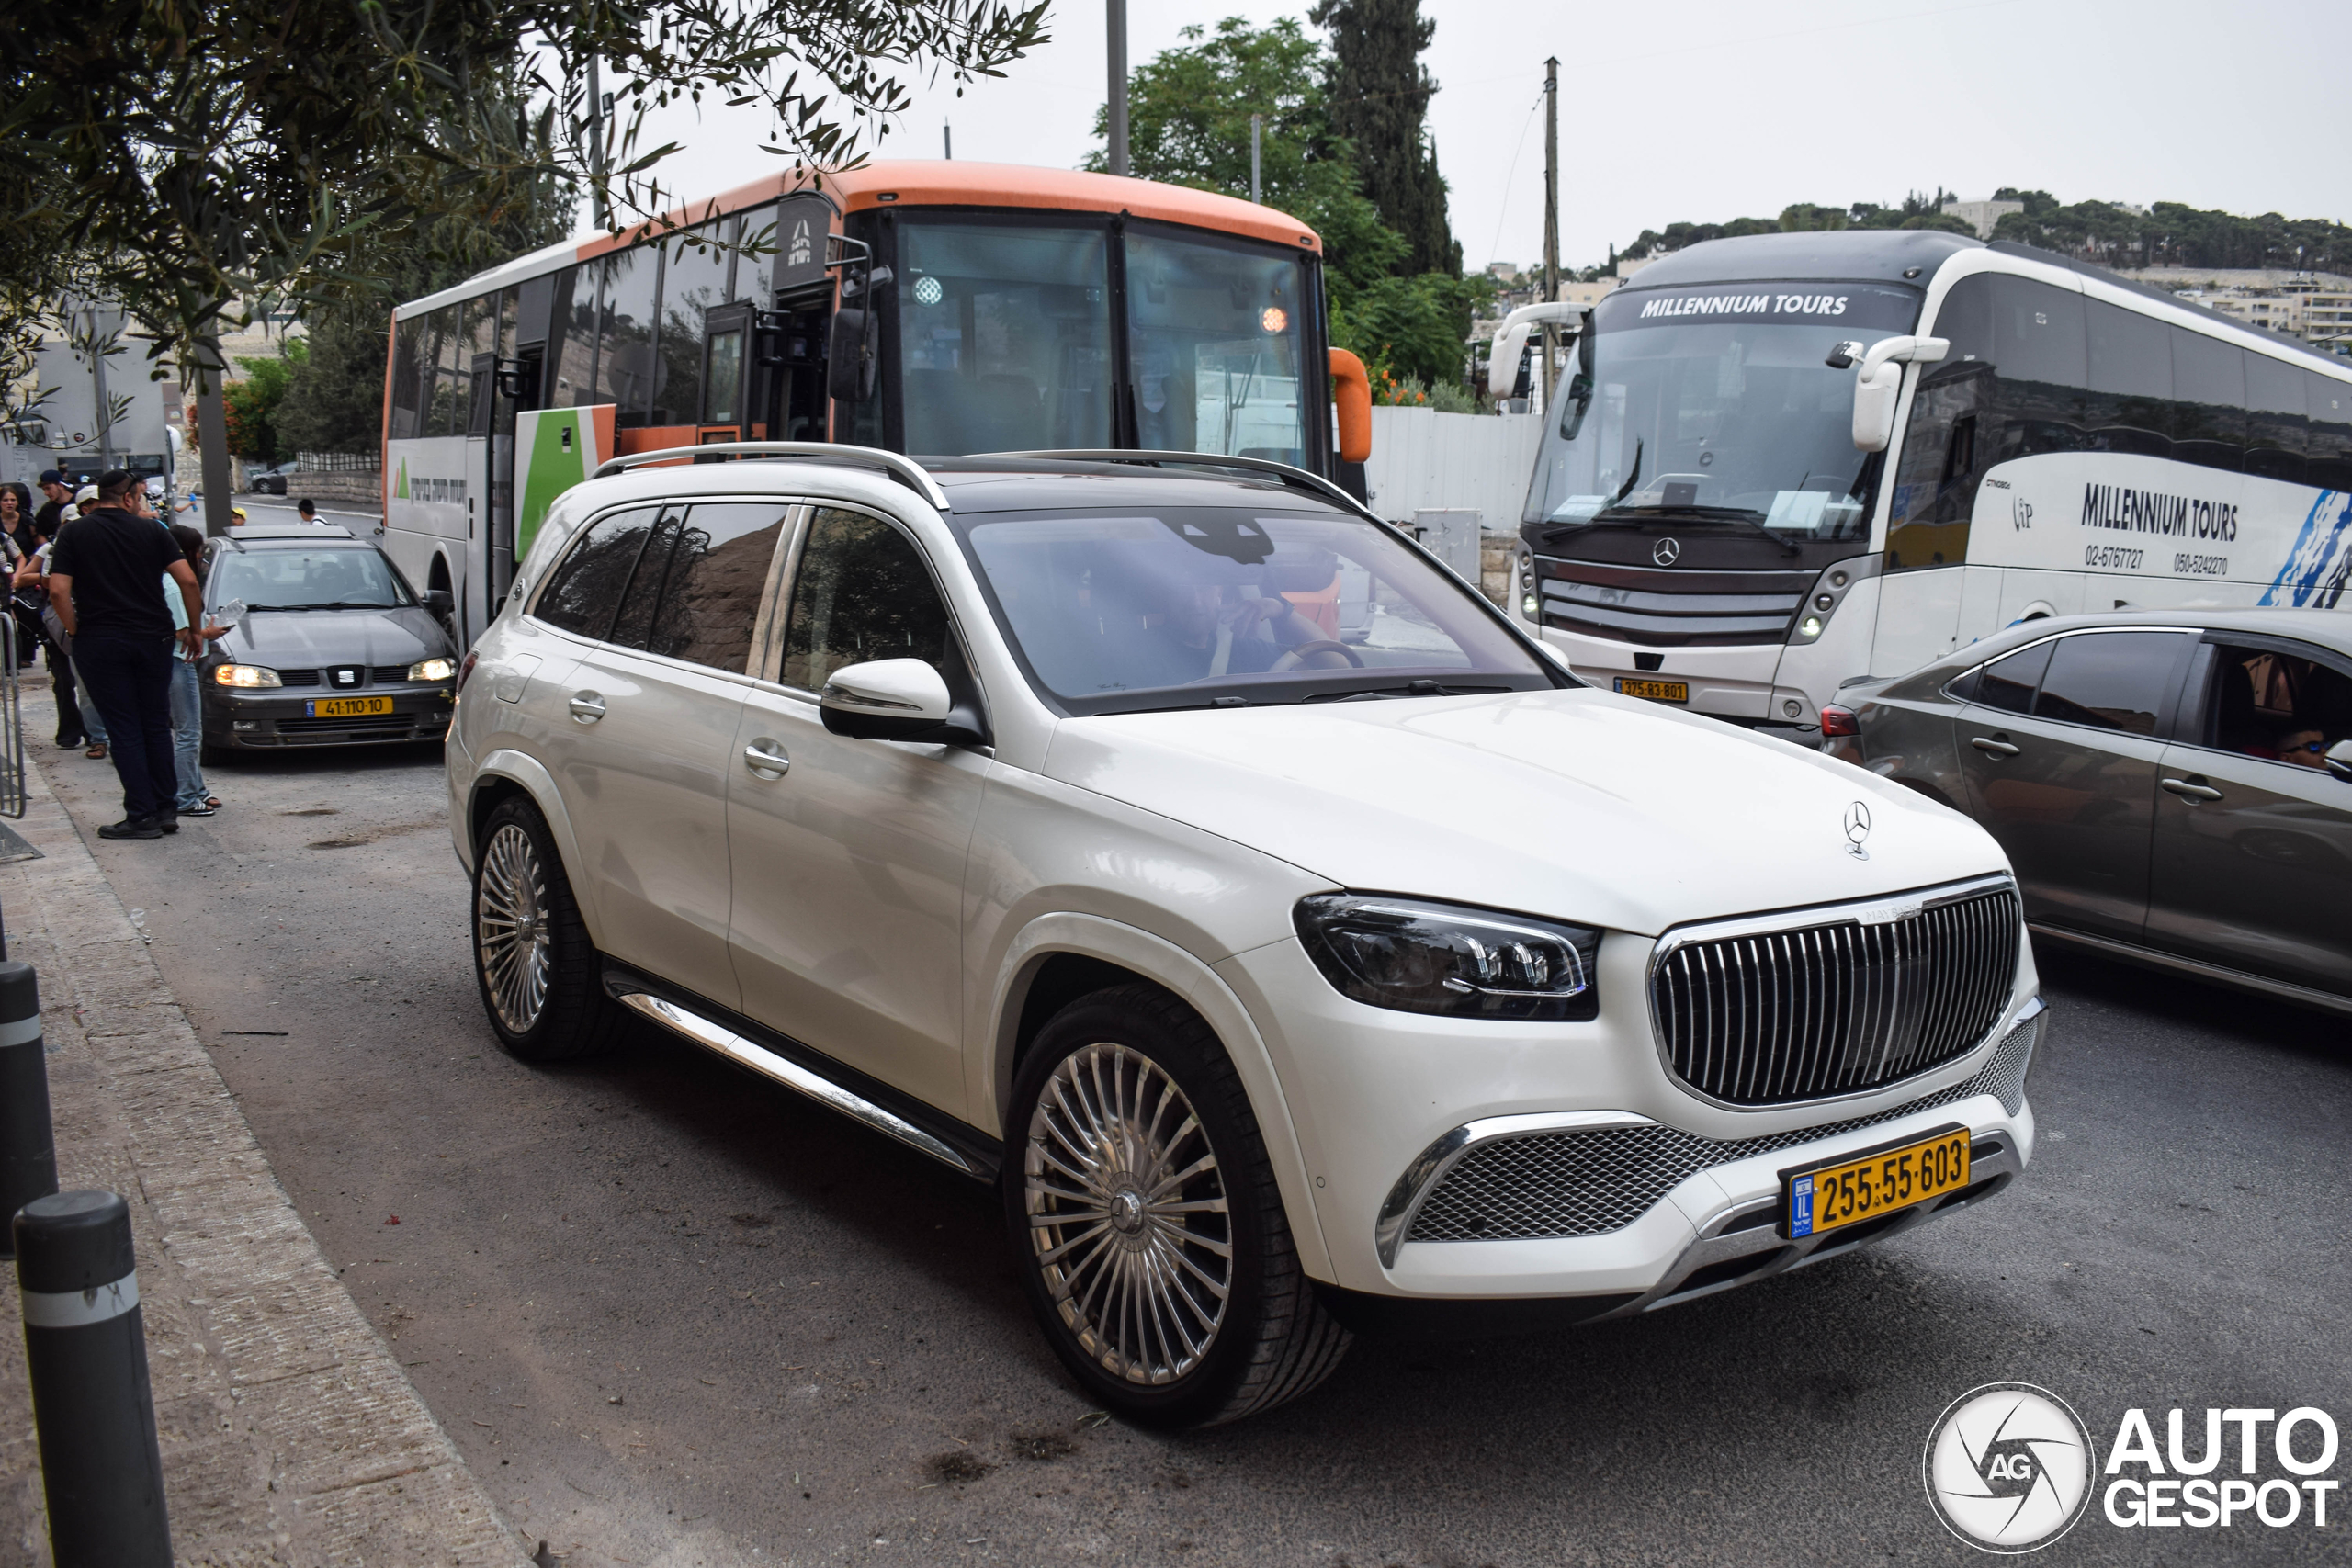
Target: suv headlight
x,y
244,675
433,669
1419,956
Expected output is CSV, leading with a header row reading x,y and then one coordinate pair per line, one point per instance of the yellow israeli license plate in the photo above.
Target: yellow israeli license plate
x,y
1656,691
1877,1182
347,707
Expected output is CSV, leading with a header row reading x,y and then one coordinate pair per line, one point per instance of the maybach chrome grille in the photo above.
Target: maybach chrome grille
x,y
1840,1006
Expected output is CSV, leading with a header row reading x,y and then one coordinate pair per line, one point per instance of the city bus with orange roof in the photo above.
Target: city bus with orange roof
x,y
928,308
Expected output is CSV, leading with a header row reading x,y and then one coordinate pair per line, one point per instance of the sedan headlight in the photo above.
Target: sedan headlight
x,y
1419,956
433,669
246,675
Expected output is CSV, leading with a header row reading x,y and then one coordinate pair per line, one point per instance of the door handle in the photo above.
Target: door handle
x,y
2193,788
587,706
765,758
1992,746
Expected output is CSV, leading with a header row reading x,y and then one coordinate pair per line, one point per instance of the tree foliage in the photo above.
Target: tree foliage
x,y
1379,93
253,404
1188,123
249,148
2173,235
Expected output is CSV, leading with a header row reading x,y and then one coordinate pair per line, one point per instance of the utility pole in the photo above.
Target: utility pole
x,y
1542,384
598,110
1257,131
947,140
1118,29
213,434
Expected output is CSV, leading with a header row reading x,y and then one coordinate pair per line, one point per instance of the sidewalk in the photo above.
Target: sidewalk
x,y
290,1435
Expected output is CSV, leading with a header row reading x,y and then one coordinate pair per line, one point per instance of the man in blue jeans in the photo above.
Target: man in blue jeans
x,y
102,574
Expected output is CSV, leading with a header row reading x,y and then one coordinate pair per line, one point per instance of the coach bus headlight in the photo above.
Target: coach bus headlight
x,y
1809,628
244,675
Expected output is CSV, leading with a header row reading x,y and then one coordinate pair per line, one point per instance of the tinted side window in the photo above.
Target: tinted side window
x,y
2208,399
861,592
2009,683
583,593
2036,345
718,568
624,334
2330,406
2276,434
643,595
2131,380
571,338
2110,680
406,335
694,278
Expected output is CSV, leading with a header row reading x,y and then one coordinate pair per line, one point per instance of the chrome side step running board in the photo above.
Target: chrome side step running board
x,y
792,1075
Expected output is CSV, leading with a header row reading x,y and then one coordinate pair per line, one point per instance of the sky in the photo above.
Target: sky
x,y
1712,110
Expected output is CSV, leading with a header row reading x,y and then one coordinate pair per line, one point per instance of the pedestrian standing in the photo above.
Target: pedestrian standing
x,y
16,513
78,723
102,583
188,687
56,496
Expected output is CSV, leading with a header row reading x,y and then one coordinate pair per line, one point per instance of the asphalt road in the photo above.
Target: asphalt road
x,y
675,1317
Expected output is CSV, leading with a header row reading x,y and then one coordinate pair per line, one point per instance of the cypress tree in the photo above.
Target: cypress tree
x,y
1379,99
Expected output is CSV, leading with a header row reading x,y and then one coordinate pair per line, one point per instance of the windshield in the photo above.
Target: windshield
x,y
1212,331
347,577
1006,332
1722,401
1192,606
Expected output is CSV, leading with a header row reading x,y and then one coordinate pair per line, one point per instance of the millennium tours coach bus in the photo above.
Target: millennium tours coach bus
x,y
928,308
1776,463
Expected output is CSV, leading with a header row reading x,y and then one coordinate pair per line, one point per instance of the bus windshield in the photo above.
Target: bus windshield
x,y
1719,403
1007,329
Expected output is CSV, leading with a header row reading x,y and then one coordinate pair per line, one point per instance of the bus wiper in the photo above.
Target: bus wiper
x,y
1739,516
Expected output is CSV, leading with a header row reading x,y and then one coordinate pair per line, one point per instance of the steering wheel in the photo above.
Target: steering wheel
x,y
1317,655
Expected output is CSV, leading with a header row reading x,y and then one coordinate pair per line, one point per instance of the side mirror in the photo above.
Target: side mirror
x,y
2339,760
895,699
439,602
850,359
1352,399
1880,382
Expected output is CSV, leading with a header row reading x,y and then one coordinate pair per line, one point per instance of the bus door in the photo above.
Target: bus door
x,y
499,388
785,378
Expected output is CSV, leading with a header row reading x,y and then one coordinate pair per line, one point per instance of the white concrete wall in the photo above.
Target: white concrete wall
x,y
1424,460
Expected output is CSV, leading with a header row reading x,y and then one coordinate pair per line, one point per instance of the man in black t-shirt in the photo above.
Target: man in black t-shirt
x,y
105,575
52,509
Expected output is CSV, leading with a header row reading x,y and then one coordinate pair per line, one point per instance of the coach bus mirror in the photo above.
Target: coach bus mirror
x,y
2339,760
1880,382
850,359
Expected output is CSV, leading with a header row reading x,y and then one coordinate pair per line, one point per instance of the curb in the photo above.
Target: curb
x,y
291,1433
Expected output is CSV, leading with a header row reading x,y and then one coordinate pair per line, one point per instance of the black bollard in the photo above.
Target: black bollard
x,y
27,1158
85,1348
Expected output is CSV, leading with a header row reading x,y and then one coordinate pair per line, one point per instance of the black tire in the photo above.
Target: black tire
x,y
525,918
1271,1340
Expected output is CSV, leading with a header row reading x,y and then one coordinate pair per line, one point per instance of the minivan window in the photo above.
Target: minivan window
x,y
2110,680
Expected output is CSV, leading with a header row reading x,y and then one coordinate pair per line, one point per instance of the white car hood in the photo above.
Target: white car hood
x,y
1579,805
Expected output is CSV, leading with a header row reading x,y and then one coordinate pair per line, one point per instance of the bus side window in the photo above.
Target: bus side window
x,y
2330,406
2131,380
2209,401
2038,350
2277,434
1936,476
407,334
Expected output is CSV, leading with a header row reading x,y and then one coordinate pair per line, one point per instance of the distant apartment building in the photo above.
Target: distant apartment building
x,y
1982,215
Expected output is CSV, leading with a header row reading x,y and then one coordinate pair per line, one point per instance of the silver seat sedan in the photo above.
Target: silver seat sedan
x,y
2173,787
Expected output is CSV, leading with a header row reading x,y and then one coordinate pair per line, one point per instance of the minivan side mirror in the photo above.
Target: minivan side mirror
x,y
2339,760
895,699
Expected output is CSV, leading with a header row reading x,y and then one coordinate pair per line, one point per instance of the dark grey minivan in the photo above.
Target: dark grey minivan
x,y
2173,787
334,646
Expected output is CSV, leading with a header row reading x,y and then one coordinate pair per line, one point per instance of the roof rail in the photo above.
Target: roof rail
x,y
1294,477
913,475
